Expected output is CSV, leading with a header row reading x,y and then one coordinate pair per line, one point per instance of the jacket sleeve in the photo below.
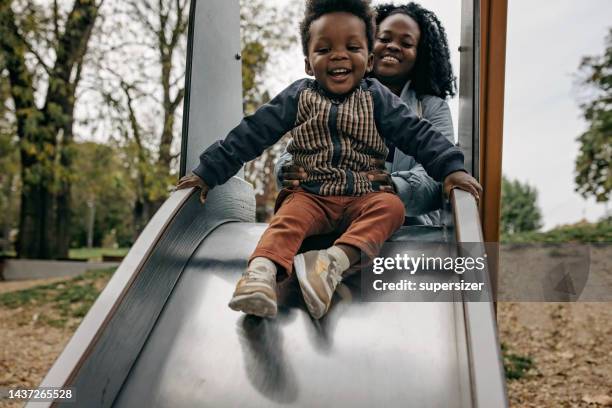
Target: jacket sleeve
x,y
250,138
414,136
285,158
436,111
418,191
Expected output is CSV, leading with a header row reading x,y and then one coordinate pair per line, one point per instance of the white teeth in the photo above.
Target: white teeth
x,y
339,71
389,58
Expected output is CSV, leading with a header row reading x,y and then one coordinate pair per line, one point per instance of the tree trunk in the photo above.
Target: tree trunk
x,y
91,204
45,197
34,227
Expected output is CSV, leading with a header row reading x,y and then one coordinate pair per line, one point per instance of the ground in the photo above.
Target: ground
x,y
560,352
570,349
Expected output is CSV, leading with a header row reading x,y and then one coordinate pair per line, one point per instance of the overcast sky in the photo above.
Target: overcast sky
x,y
545,43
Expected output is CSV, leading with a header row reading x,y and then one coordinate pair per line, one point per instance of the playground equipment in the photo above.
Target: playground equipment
x,y
161,334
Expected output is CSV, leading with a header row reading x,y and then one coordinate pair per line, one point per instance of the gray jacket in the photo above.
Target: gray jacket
x,y
421,194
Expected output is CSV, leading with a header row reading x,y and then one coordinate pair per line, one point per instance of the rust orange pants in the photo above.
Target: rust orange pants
x,y
367,221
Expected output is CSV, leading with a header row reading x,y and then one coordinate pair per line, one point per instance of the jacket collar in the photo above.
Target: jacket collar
x,y
338,98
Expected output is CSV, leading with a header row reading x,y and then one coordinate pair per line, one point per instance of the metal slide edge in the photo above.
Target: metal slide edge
x,y
484,354
91,349
106,303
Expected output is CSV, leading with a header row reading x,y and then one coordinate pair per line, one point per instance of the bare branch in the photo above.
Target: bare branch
x,y
178,79
143,16
32,51
56,20
176,102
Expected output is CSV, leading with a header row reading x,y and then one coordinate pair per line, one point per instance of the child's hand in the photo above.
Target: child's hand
x,y
194,181
462,181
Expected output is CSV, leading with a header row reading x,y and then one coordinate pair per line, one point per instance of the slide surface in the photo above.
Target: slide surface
x,y
362,354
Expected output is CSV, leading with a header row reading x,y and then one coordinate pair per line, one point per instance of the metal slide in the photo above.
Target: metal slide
x,y
161,334
201,353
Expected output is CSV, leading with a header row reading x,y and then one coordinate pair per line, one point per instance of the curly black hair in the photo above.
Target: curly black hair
x,y
317,8
432,73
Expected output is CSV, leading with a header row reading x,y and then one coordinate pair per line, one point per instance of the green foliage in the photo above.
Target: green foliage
x,y
95,254
43,47
10,182
519,210
515,366
264,30
102,186
62,300
594,161
582,232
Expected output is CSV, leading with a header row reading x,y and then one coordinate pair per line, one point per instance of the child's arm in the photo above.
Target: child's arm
x,y
418,138
413,136
463,181
250,138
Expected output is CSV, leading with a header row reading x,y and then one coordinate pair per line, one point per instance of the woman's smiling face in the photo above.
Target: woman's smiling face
x,y
395,50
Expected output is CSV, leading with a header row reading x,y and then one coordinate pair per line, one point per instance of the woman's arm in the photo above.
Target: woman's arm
x,y
414,136
418,191
284,160
436,111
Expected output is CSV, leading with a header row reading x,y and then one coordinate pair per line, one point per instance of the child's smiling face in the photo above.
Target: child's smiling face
x,y
338,54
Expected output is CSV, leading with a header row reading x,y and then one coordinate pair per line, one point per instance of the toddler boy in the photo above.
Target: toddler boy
x,y
337,123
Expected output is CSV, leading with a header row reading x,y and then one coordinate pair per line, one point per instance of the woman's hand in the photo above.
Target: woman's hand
x,y
462,181
381,175
194,181
292,175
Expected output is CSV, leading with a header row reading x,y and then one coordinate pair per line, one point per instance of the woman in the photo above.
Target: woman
x,y
411,58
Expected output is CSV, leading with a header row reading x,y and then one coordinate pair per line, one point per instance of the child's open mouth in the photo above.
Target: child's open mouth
x,y
339,74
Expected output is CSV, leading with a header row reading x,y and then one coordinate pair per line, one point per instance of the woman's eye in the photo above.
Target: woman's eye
x,y
407,45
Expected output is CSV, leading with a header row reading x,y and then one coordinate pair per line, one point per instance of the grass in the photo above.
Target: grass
x,y
87,254
581,232
515,366
95,253
63,303
10,253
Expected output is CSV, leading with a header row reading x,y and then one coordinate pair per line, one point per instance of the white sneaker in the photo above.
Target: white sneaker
x,y
318,274
255,292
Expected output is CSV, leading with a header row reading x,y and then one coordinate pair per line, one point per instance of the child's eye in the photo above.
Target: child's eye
x,y
384,39
322,50
354,48
407,45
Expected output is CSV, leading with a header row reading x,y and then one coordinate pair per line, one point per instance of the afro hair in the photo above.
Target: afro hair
x,y
318,8
433,72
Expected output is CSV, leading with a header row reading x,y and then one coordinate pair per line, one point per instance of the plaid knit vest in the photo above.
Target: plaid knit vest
x,y
334,141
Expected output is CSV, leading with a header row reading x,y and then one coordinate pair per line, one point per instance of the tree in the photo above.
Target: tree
x,y
263,32
519,210
166,22
9,167
594,161
102,195
140,79
43,50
